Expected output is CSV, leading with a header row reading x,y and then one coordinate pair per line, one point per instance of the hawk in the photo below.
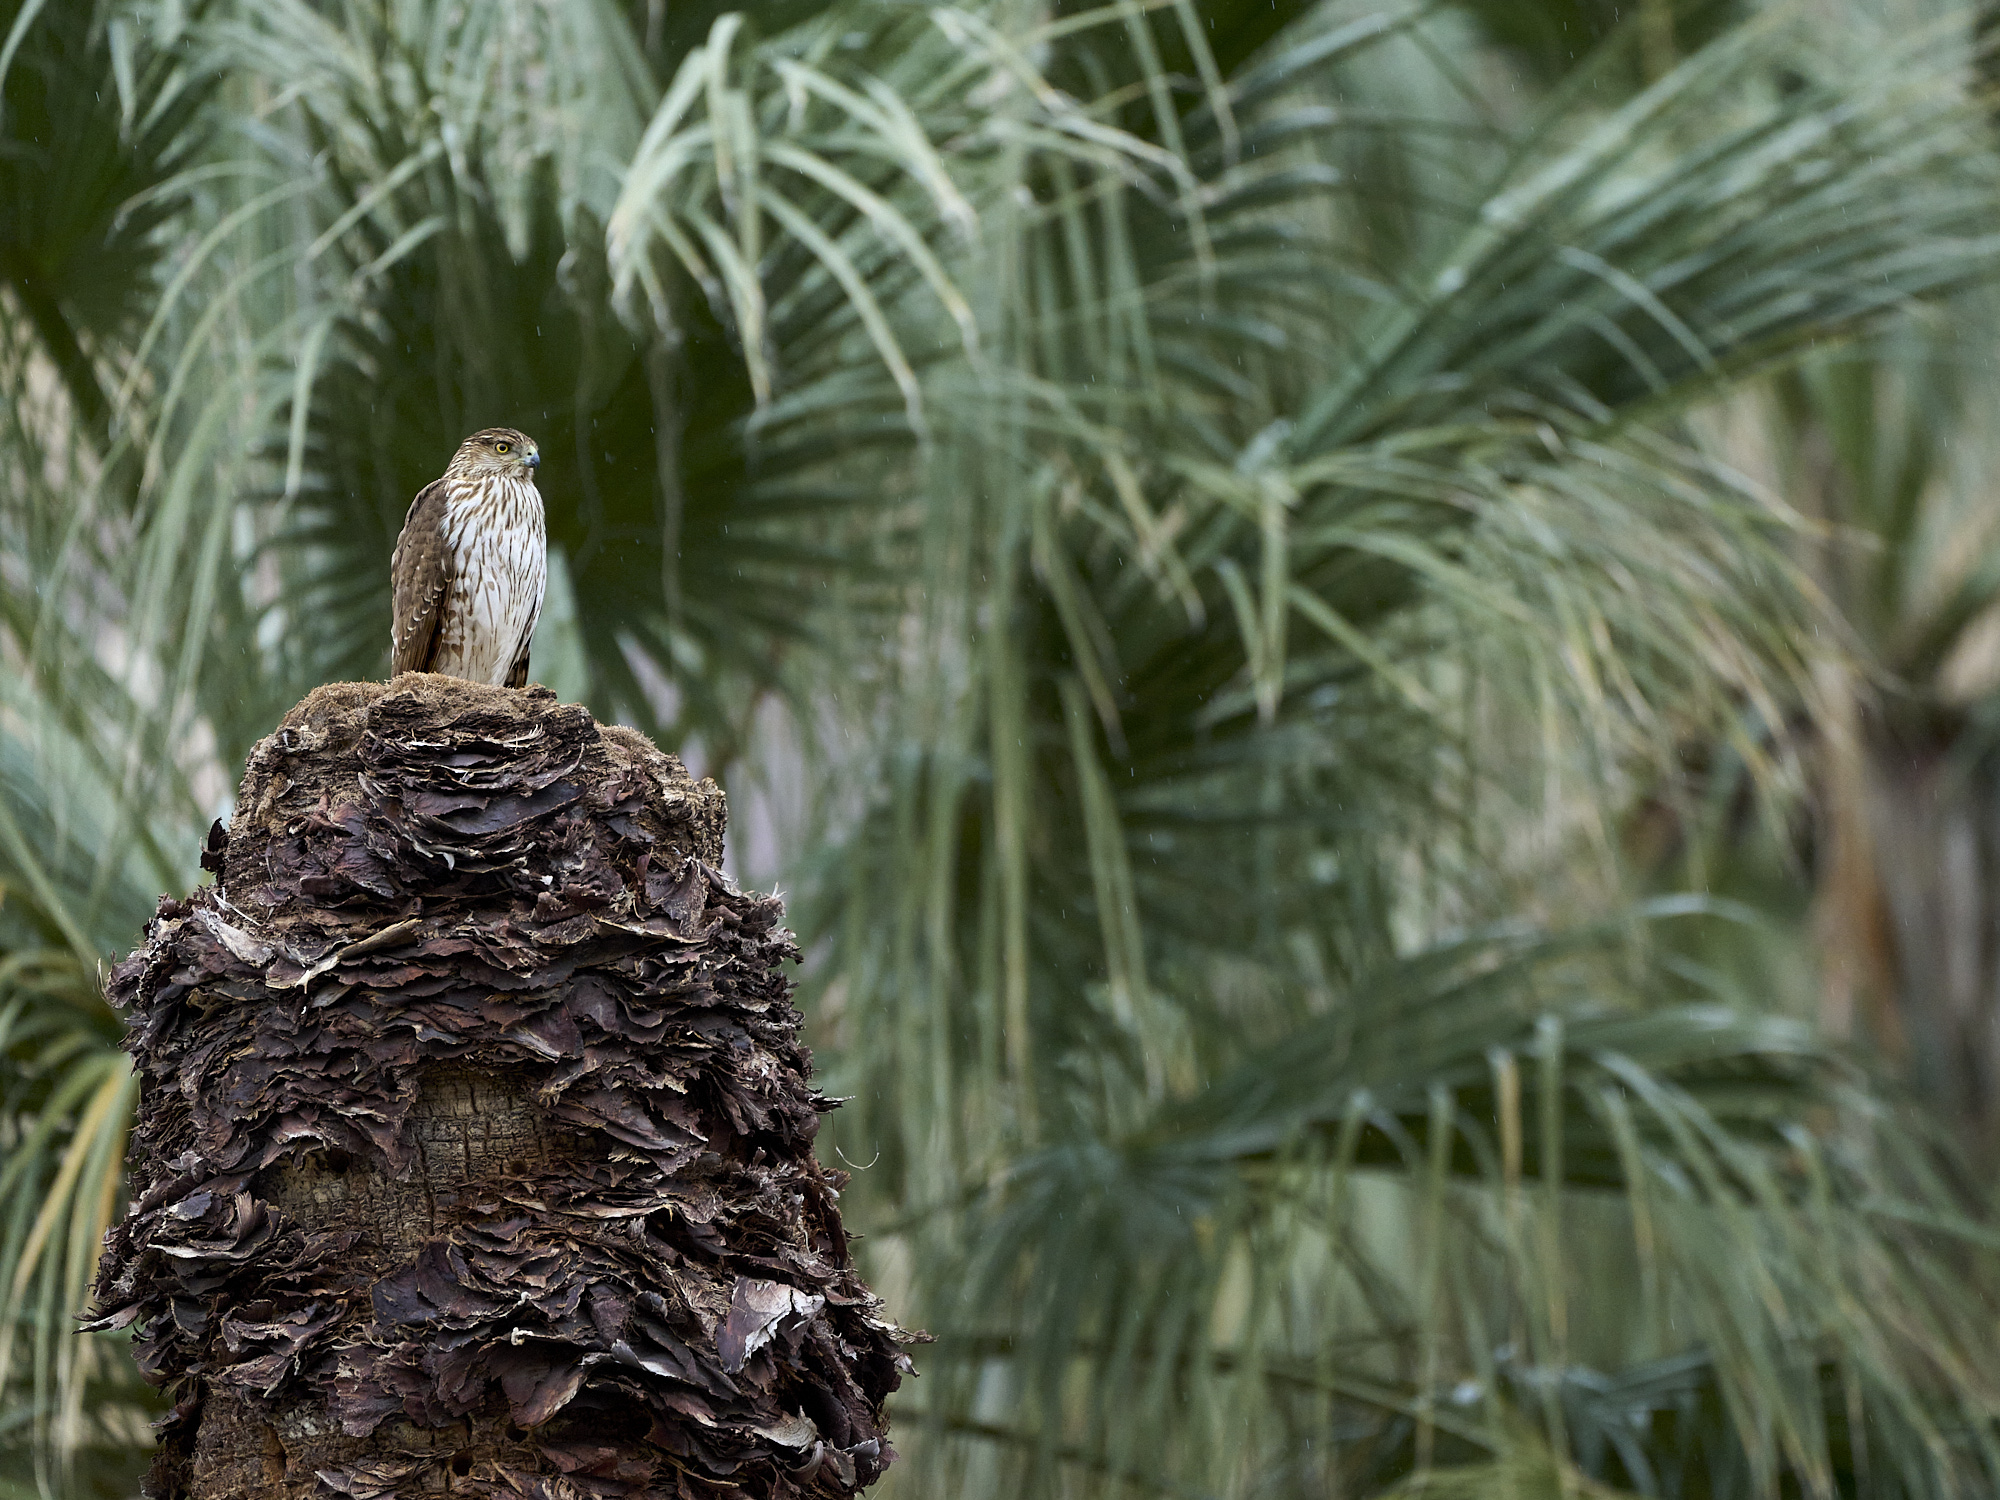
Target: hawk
x,y
471,565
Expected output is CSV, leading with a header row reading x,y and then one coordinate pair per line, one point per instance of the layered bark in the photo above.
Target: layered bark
x,y
474,1152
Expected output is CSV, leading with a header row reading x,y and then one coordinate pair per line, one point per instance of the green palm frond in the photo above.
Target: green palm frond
x,y
1389,1180
777,184
1225,494
102,118
1179,667
1225,601
66,1097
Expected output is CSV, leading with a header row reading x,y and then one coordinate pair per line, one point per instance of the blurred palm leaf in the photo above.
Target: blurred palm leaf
x,y
102,119
1903,861
1245,1241
1214,488
102,116
1133,749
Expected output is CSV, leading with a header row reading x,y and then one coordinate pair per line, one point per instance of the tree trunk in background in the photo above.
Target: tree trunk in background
x,y
1937,832
1908,900
1859,984
474,1153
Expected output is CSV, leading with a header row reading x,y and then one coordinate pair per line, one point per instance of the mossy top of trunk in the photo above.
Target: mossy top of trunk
x,y
474,1150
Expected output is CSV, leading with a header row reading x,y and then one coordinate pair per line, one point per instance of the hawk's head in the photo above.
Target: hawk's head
x,y
498,452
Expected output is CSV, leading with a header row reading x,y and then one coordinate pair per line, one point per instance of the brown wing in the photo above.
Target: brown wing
x,y
420,577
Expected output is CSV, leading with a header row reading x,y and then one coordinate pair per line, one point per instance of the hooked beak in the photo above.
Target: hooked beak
x,y
533,460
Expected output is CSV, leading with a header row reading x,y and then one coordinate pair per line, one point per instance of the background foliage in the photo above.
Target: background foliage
x,y
1366,633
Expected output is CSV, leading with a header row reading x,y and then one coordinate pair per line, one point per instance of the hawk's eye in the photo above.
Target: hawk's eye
x,y
503,447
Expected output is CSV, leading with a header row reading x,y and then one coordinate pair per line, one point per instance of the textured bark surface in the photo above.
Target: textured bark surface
x,y
474,1150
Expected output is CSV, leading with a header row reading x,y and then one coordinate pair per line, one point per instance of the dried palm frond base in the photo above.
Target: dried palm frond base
x,y
474,1153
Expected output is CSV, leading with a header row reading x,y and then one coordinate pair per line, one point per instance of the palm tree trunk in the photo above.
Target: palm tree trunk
x,y
1935,822
474,1153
